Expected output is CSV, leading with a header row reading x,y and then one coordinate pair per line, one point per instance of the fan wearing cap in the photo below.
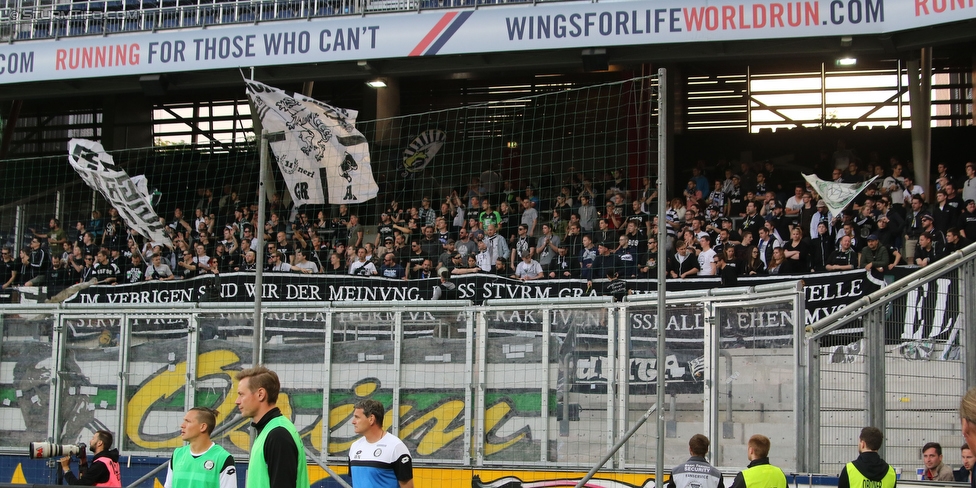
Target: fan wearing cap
x,y
713,219
387,245
928,226
735,205
604,261
528,269
822,215
779,220
565,265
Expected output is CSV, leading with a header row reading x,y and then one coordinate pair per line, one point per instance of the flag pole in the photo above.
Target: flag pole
x,y
258,319
662,238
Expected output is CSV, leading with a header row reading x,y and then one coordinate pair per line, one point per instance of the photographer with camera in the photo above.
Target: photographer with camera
x,y
104,467
201,463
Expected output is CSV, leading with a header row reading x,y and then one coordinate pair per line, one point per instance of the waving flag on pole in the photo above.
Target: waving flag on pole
x,y
128,195
836,195
321,154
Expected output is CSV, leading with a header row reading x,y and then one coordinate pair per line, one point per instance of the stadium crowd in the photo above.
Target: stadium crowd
x,y
728,221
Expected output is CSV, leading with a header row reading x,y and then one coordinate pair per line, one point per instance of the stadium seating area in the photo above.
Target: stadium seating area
x,y
103,17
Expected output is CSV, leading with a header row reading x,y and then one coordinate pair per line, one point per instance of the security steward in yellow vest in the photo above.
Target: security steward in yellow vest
x,y
759,473
868,470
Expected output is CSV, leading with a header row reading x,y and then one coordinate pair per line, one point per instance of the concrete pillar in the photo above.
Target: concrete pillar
x,y
920,98
388,105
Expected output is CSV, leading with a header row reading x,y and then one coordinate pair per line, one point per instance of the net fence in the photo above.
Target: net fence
x,y
548,143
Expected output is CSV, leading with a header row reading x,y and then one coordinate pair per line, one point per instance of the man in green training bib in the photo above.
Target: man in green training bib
x,y
759,473
201,463
868,470
277,455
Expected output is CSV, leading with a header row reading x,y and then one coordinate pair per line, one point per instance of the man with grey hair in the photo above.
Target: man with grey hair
x,y
497,247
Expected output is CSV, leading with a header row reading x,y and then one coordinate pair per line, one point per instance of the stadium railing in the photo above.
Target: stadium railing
x,y
898,359
98,17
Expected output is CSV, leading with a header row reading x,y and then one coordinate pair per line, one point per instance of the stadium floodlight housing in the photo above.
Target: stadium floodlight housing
x,y
846,61
377,83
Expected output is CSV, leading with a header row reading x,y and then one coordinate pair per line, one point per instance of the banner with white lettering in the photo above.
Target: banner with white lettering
x,y
824,293
926,317
319,150
100,172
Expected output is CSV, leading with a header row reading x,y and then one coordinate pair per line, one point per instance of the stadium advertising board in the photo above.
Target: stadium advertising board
x,y
432,33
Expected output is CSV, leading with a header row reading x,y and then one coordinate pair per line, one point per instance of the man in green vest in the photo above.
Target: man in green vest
x,y
277,455
868,470
201,463
759,473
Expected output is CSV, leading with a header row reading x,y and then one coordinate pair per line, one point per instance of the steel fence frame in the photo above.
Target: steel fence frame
x,y
473,321
872,313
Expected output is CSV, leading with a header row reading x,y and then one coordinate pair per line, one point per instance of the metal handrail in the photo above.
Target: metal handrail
x,y
880,298
95,17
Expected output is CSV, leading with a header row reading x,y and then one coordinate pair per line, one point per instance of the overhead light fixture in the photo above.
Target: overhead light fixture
x,y
847,61
376,83
153,85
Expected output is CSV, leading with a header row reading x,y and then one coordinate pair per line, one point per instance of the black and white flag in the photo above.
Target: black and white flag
x,y
320,149
127,195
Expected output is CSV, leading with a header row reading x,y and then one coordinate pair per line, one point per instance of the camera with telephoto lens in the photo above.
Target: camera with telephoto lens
x,y
42,450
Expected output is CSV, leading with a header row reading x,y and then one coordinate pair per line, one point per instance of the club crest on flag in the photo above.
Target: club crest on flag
x,y
418,155
322,157
836,195
287,166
